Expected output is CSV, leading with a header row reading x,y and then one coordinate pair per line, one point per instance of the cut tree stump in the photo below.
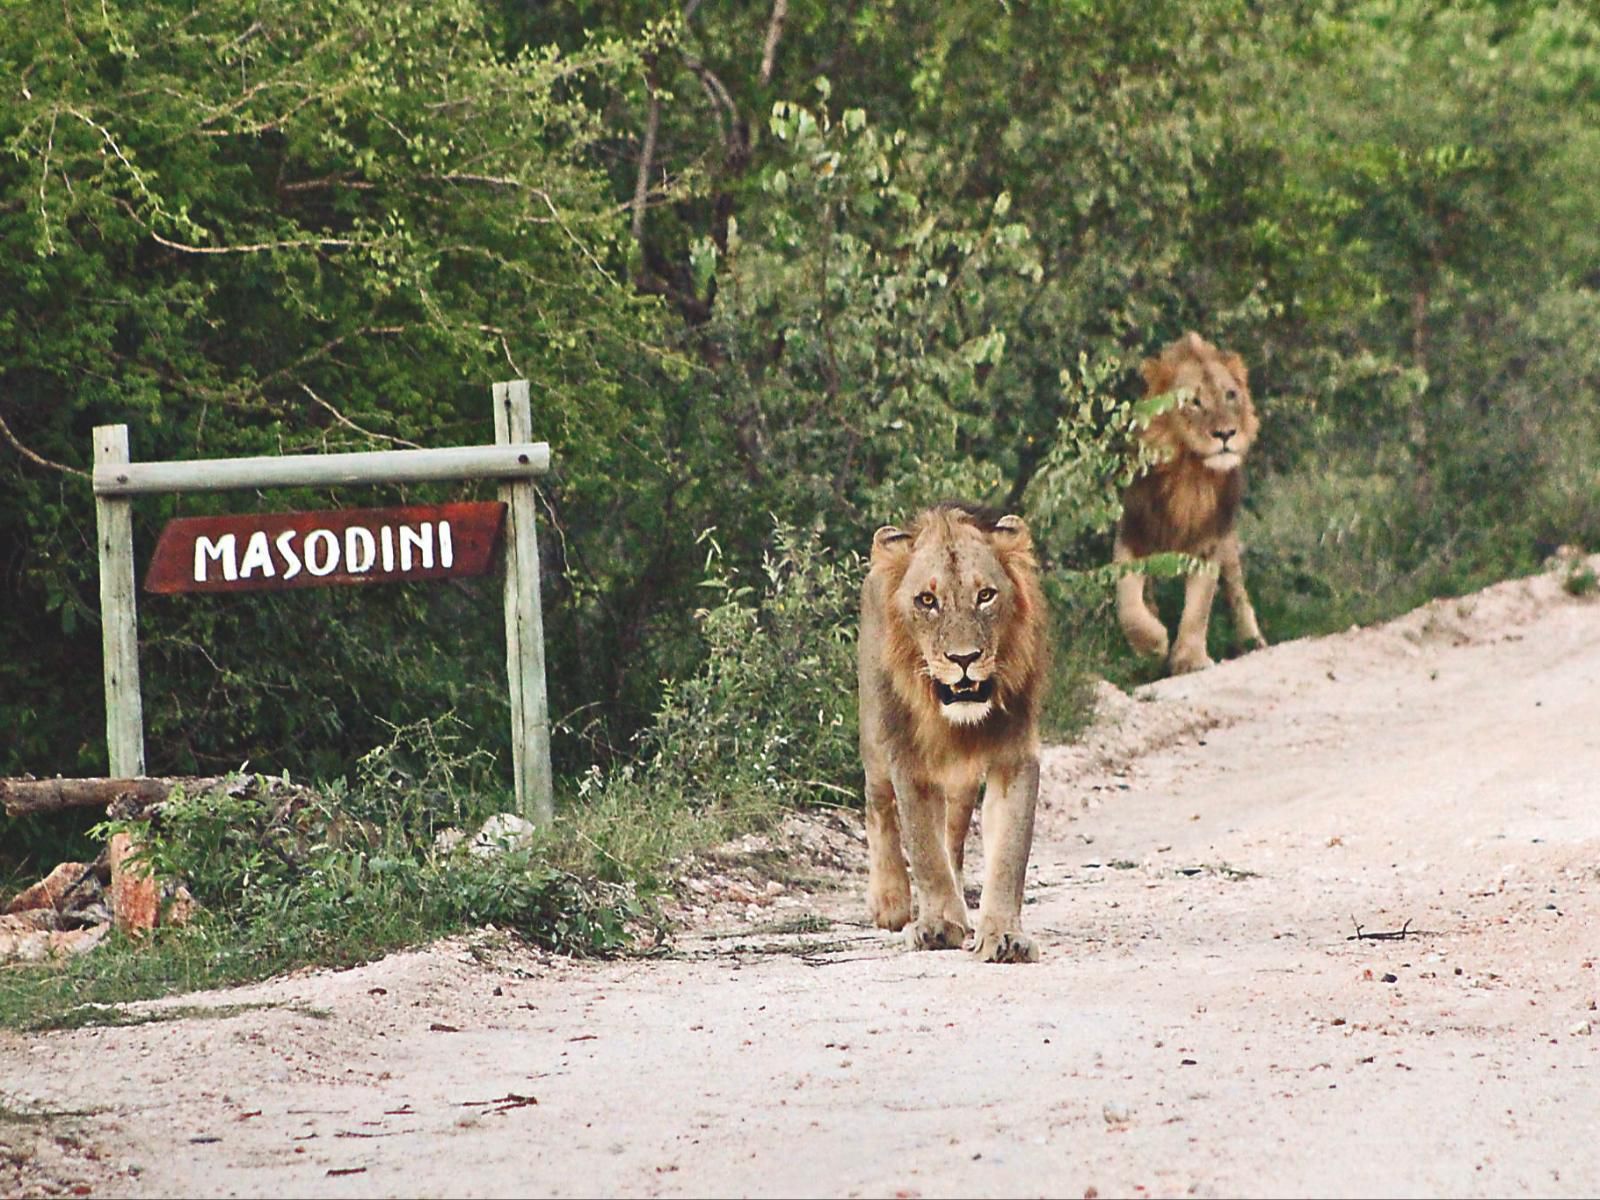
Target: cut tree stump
x,y
135,896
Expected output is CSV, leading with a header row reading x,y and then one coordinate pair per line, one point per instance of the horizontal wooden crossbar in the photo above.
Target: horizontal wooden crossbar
x,y
522,460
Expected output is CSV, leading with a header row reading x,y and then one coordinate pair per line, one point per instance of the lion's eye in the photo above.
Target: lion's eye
x,y
986,595
927,601
1232,394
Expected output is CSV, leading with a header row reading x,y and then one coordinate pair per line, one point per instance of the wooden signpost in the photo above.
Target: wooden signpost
x,y
260,551
271,551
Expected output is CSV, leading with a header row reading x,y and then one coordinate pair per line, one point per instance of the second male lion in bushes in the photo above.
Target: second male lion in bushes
x,y
1188,501
953,655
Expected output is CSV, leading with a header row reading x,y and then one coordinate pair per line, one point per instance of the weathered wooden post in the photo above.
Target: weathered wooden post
x,y
133,890
119,624
530,713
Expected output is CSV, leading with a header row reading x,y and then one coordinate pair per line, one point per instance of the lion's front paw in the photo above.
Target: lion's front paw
x,y
1185,660
1149,641
1005,946
935,933
889,908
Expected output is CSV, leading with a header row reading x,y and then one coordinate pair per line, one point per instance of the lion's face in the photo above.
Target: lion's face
x,y
956,600
1213,419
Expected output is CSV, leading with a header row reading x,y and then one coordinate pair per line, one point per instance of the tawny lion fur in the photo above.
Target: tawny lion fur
x,y
953,657
1188,501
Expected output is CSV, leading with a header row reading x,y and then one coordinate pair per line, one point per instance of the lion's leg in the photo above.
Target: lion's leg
x,y
1229,558
1140,626
1009,803
1189,651
958,808
941,922
888,883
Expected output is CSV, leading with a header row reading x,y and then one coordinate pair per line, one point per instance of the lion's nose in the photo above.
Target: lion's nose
x,y
964,660
1222,435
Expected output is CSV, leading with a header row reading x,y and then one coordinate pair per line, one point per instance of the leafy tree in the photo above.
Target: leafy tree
x,y
315,227
760,261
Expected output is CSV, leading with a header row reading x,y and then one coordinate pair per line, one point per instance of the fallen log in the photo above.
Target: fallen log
x,y
23,797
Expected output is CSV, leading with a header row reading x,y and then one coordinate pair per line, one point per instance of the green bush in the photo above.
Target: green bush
x,y
773,705
341,873
767,721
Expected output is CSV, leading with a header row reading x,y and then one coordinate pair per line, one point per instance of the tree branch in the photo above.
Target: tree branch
x,y
349,424
37,459
260,247
780,13
327,348
343,179
641,186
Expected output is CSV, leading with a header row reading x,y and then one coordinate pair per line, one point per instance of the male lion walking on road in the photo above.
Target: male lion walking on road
x,y
1188,501
953,654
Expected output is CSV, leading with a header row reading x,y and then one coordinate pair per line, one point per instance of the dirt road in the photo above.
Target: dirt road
x,y
1202,1022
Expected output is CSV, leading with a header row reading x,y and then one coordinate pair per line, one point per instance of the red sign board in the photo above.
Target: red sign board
x,y
271,551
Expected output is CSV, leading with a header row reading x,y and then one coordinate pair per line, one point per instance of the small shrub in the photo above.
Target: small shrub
x,y
767,722
1581,580
773,705
338,874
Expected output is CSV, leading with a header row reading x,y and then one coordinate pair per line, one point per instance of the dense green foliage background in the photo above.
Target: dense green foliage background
x,y
778,273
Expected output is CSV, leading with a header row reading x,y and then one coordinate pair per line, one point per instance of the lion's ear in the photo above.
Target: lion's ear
x,y
1013,546
1157,377
1012,531
889,541
1236,368
1195,344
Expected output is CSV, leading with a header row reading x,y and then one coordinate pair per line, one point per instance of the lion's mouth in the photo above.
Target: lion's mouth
x,y
1225,459
966,691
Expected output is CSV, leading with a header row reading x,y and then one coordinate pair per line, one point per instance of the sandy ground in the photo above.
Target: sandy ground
x,y
1202,1022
